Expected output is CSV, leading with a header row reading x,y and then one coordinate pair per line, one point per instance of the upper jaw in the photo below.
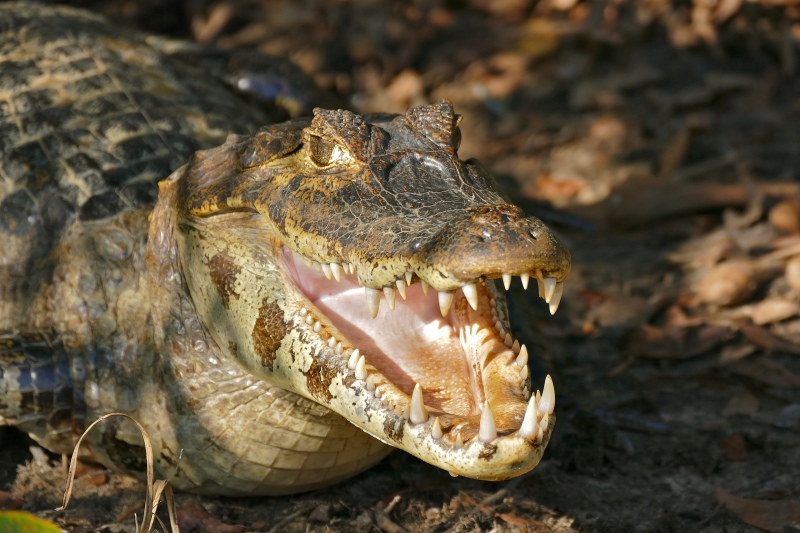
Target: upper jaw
x,y
464,402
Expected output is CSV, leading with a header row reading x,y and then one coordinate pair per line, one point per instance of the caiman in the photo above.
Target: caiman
x,y
280,311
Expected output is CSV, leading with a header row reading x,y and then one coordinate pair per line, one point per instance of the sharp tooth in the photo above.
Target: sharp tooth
x,y
336,269
317,266
424,286
540,283
556,299
360,283
317,327
498,326
445,300
471,292
524,373
309,320
507,281
508,341
522,358
547,403
326,269
389,293
331,342
339,348
459,442
487,431
436,429
303,311
418,413
549,288
361,368
409,275
370,383
373,300
525,279
309,263
401,288
515,346
351,363
530,423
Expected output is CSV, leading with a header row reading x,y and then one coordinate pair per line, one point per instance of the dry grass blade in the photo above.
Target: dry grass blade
x,y
154,488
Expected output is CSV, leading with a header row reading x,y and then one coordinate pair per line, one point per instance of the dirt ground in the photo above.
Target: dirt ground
x,y
661,140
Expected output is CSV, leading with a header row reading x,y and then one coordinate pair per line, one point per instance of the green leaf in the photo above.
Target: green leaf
x,y
22,522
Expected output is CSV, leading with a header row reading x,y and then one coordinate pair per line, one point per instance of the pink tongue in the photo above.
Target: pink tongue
x,y
411,344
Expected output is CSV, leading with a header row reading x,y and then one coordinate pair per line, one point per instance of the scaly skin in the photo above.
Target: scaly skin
x,y
199,317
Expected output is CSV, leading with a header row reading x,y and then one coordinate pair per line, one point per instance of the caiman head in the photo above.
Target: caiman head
x,y
355,260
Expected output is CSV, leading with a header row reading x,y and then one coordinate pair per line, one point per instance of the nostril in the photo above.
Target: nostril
x,y
534,234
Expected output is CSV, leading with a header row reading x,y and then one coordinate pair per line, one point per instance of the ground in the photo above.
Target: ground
x,y
660,139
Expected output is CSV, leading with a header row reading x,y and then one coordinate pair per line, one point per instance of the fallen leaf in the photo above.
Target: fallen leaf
x,y
767,372
22,522
769,341
674,342
774,310
193,515
9,501
734,447
514,520
741,404
773,516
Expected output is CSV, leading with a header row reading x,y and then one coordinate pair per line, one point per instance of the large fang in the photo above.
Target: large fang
x,y
336,270
445,300
361,368
436,429
530,424
401,288
418,413
353,361
549,288
548,402
390,296
556,299
373,300
424,286
507,281
326,269
471,292
488,430
525,279
522,358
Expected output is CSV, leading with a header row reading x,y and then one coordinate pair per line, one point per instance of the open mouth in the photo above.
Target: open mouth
x,y
444,361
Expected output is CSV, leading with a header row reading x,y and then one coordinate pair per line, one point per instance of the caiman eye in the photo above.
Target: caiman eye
x,y
322,151
456,138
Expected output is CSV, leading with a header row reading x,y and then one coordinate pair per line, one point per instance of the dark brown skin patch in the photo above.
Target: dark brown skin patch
x,y
223,273
233,348
269,331
318,380
488,451
394,428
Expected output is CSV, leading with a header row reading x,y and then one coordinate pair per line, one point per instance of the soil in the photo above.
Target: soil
x,y
660,139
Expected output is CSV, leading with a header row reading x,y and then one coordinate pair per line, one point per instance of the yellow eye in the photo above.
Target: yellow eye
x,y
322,151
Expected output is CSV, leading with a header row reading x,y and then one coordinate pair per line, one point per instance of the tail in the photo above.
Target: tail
x,y
37,390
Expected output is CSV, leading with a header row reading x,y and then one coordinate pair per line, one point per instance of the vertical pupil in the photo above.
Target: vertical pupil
x,y
321,151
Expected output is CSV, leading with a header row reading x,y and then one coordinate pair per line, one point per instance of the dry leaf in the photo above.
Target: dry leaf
x,y
769,341
767,372
773,516
674,342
